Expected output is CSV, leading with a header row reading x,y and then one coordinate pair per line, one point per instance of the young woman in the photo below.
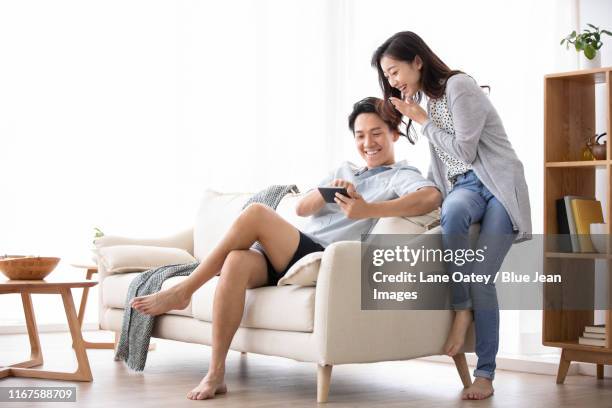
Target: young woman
x,y
382,188
478,172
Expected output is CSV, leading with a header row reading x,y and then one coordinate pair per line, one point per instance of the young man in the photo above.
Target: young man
x,y
383,188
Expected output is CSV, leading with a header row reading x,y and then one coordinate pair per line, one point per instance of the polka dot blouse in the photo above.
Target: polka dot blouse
x,y
441,117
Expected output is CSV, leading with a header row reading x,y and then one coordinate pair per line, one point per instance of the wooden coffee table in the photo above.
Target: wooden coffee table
x,y
63,288
90,269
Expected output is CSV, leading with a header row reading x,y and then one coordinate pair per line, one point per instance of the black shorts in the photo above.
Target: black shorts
x,y
305,246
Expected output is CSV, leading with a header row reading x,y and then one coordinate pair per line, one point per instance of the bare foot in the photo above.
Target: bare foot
x,y
161,302
481,388
210,386
456,337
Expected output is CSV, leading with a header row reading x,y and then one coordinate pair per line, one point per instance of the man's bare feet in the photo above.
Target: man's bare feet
x,y
481,388
161,302
210,386
456,337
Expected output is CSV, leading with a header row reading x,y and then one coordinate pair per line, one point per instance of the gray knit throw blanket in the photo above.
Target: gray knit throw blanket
x,y
133,346
272,196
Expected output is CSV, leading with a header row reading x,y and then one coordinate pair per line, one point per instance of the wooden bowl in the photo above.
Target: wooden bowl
x,y
19,267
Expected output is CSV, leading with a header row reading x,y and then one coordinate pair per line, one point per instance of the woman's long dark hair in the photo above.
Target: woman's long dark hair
x,y
405,46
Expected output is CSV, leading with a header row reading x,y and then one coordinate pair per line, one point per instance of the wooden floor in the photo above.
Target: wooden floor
x,y
261,381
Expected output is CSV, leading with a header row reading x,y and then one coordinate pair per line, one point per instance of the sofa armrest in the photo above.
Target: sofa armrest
x,y
346,334
182,240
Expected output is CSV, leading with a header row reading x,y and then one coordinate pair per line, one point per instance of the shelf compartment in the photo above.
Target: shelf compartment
x,y
562,181
576,292
569,117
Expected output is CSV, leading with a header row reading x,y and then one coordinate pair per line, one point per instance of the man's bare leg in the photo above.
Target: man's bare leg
x,y
242,270
255,223
456,336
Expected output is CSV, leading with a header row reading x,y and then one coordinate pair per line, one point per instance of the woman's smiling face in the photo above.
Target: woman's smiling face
x,y
374,140
402,75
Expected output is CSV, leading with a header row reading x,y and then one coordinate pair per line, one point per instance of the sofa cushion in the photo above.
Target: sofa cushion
x,y
304,272
286,209
276,308
407,225
269,307
215,216
115,288
134,258
218,211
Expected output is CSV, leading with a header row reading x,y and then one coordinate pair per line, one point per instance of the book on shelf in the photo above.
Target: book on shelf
x,y
597,328
592,342
586,212
594,335
568,238
564,241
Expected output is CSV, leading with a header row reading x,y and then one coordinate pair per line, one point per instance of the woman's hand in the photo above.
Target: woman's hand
x,y
410,109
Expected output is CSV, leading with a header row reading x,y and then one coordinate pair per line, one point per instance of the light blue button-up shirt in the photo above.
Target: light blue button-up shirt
x,y
378,184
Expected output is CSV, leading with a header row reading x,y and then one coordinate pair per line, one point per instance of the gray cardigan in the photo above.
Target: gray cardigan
x,y
480,139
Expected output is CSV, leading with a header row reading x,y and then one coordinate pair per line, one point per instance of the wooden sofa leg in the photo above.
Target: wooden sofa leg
x,y
323,379
462,369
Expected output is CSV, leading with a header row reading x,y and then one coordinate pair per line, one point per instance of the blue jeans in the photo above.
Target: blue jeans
x,y
470,202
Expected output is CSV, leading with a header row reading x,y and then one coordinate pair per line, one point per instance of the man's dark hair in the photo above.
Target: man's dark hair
x,y
384,110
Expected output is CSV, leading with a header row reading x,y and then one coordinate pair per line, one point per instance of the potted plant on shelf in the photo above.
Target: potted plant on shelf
x,y
589,42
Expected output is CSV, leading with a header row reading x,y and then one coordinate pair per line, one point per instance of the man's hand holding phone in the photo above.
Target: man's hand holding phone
x,y
338,187
350,201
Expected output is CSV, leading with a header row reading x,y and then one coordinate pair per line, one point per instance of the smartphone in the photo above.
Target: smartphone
x,y
329,193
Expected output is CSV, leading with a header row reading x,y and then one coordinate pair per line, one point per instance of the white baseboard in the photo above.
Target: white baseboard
x,y
547,365
591,369
44,328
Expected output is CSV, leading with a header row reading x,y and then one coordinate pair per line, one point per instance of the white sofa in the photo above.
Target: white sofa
x,y
323,324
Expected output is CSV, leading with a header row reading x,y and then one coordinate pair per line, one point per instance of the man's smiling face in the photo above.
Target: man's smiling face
x,y
374,140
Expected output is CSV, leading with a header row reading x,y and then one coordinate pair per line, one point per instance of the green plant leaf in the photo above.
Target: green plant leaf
x,y
606,32
578,45
98,232
589,51
592,26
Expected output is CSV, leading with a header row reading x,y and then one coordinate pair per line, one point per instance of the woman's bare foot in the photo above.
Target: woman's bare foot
x,y
210,386
161,302
456,337
481,388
